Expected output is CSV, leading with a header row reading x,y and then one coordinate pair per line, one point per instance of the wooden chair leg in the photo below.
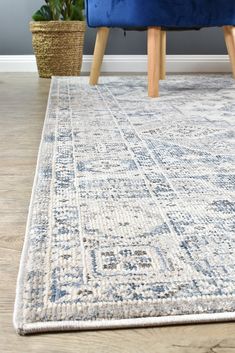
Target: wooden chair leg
x,y
163,56
229,34
154,58
100,46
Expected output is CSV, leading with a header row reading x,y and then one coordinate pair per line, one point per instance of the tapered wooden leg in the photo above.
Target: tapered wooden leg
x,y
100,45
154,57
163,55
229,34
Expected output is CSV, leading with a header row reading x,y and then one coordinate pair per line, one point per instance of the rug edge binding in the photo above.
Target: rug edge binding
x,y
54,326
19,285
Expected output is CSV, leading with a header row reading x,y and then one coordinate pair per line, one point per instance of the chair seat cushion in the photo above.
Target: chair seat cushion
x,y
164,13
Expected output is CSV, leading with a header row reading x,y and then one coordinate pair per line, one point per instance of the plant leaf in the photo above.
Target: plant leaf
x,y
55,10
56,7
77,14
79,3
44,14
77,10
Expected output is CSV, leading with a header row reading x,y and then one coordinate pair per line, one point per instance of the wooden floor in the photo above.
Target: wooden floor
x,y
23,100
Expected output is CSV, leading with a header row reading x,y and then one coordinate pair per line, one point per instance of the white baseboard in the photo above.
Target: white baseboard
x,y
128,63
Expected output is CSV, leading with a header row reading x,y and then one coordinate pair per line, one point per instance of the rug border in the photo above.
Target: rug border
x,y
19,285
51,326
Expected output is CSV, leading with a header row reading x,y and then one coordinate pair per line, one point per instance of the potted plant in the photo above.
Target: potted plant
x,y
58,33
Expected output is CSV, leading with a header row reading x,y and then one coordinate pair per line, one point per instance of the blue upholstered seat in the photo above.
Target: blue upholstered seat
x,y
157,16
164,13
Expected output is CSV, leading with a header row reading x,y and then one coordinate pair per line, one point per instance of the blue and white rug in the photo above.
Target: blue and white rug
x,y
132,216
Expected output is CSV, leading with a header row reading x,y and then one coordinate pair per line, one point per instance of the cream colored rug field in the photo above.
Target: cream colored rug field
x,y
132,216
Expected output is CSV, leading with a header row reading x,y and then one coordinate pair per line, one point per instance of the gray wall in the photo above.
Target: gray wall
x,y
16,39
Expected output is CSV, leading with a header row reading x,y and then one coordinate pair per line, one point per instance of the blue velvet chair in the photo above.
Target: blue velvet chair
x,y
157,16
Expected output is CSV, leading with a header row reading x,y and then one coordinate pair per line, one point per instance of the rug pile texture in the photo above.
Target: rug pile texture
x,y
132,215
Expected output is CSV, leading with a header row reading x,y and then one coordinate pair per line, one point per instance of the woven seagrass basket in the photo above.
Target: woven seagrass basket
x,y
58,47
